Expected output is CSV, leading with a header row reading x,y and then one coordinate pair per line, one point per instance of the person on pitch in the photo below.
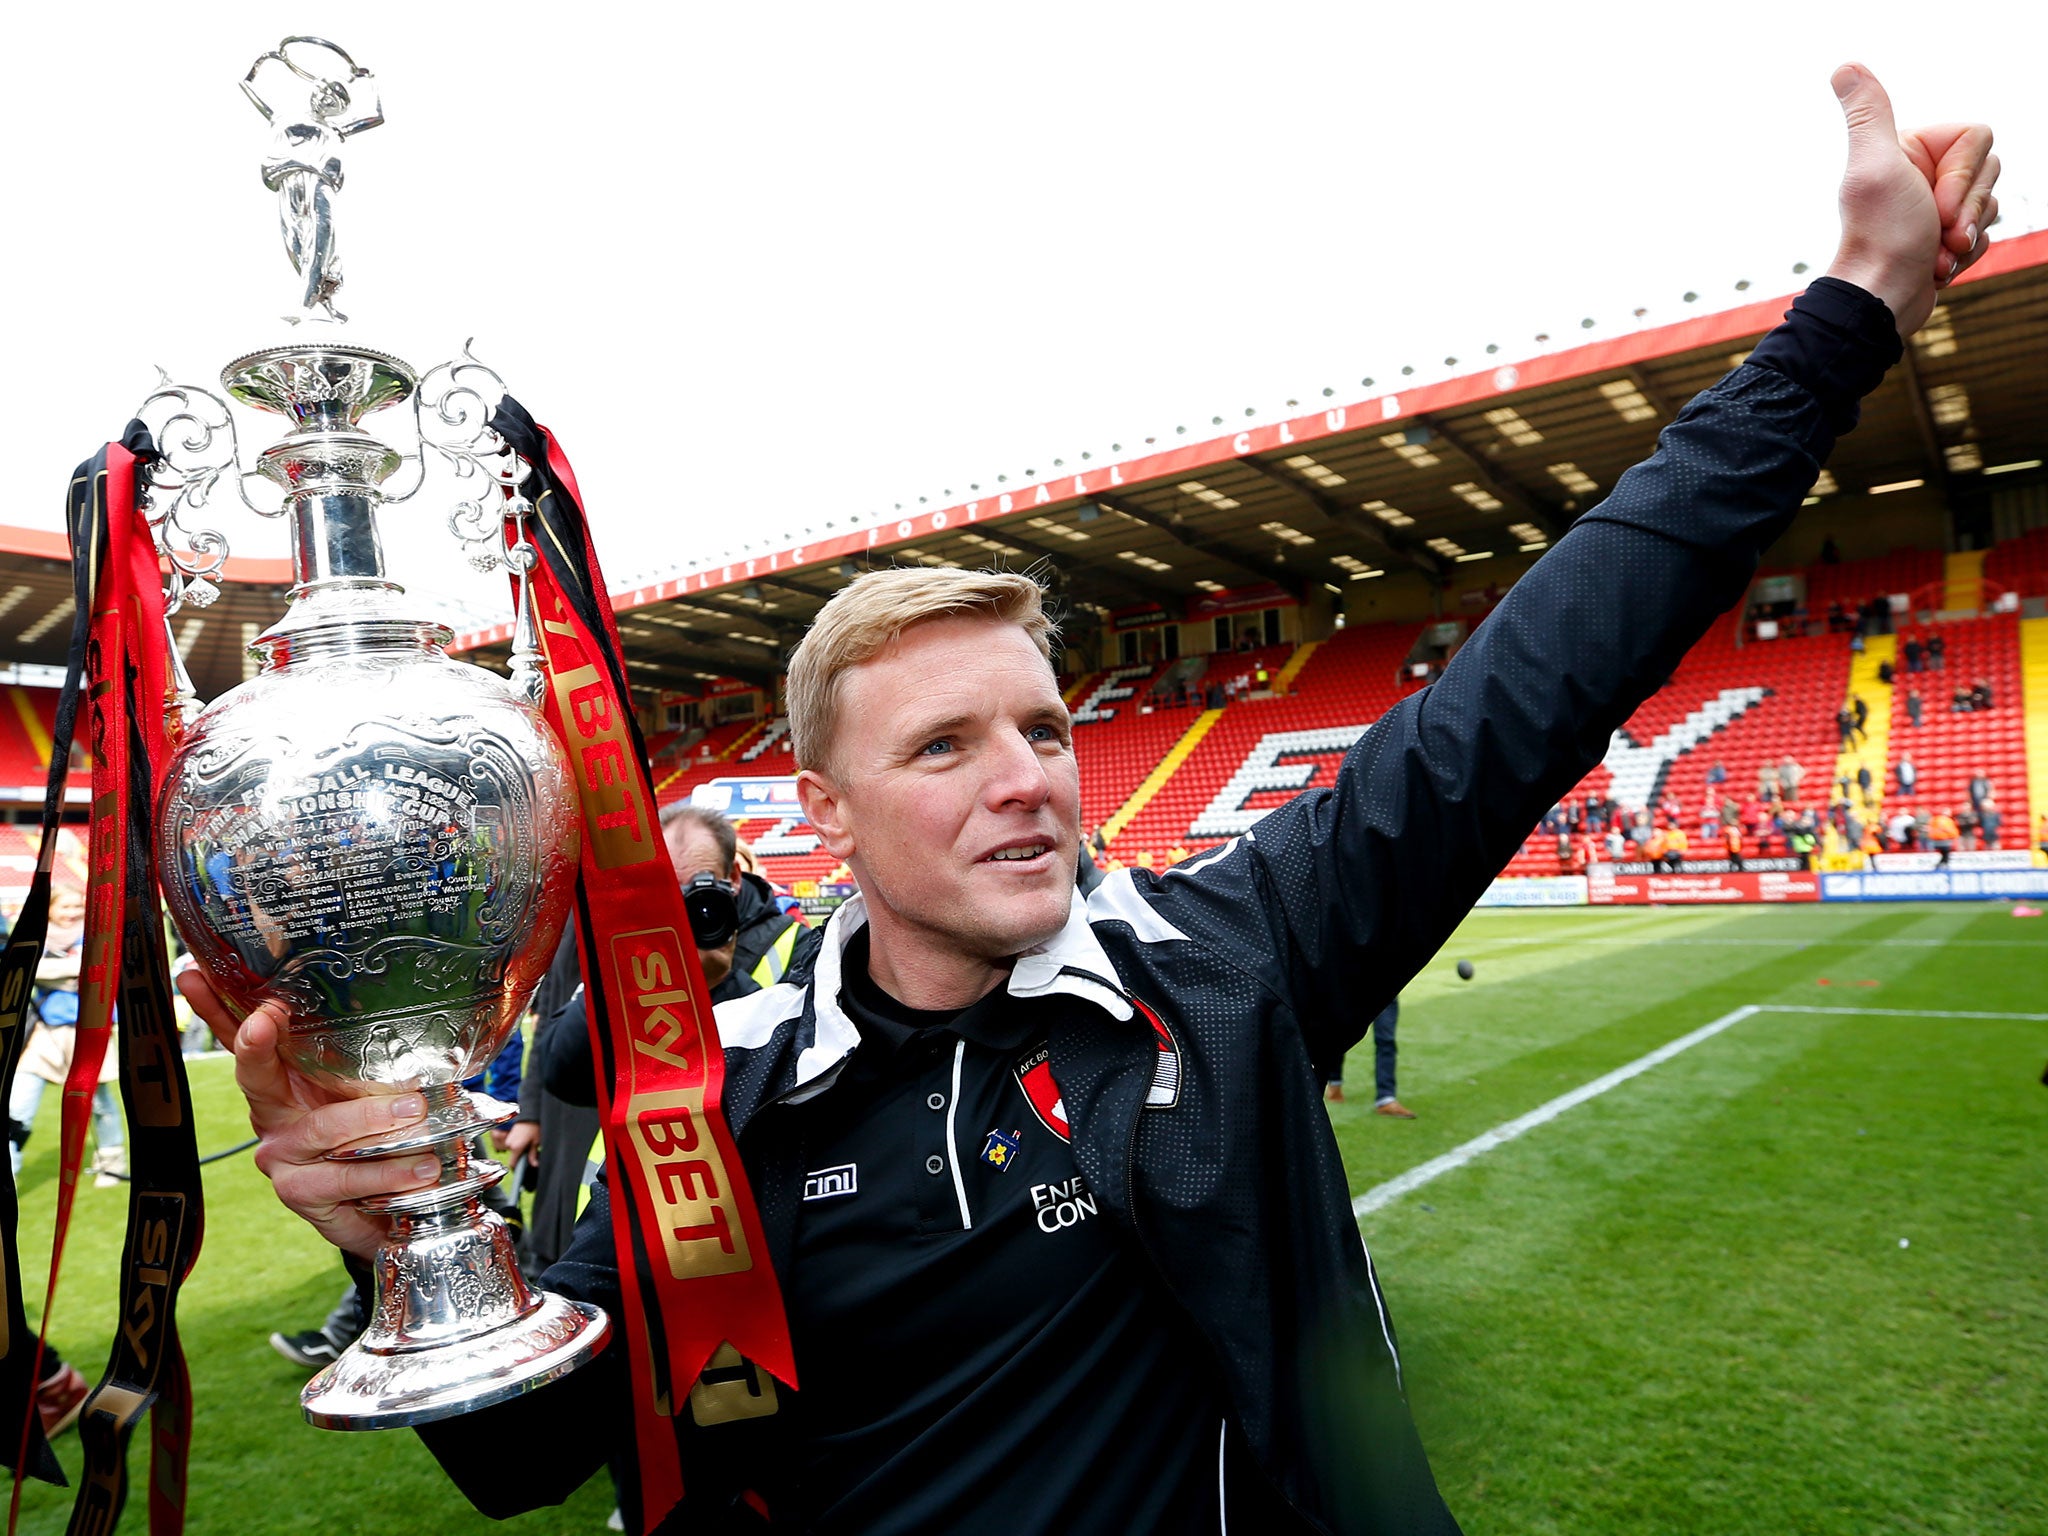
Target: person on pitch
x,y
1062,1231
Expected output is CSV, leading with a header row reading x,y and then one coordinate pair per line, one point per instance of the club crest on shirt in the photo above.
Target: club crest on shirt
x,y
1034,1076
999,1151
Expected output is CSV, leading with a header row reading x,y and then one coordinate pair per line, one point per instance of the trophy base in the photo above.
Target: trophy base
x,y
455,1327
368,1388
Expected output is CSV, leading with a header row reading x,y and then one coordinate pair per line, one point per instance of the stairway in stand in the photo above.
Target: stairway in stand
x,y
2034,691
1870,752
1156,779
1283,680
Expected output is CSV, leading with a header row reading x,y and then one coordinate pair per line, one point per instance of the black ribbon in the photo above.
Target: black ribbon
x,y
20,1351
166,1201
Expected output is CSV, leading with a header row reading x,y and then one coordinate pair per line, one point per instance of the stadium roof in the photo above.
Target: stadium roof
x,y
1497,462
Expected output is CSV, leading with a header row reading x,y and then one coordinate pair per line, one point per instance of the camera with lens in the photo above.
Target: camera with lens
x,y
714,910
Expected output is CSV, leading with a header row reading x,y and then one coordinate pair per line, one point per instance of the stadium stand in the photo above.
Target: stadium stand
x,y
1853,582
1154,769
1950,748
2020,564
1349,681
27,717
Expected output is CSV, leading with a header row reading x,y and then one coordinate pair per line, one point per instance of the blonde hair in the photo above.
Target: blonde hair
x,y
863,617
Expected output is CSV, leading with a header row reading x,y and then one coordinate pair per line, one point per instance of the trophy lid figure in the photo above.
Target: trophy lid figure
x,y
304,164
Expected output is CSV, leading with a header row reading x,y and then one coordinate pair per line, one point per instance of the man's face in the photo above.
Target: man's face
x,y
952,789
695,853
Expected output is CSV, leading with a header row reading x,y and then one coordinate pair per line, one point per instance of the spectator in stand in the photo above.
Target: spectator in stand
x,y
1676,845
1901,830
1731,840
1981,789
1992,820
1710,821
1908,775
1617,845
1731,813
1670,809
1582,854
1564,852
1845,728
1655,846
1959,702
1555,820
1830,554
1856,643
1802,839
1980,694
1859,710
1789,775
1916,655
1942,834
1914,705
1937,652
1864,783
1767,783
1757,816
1838,619
1968,824
1718,774
1870,843
1885,674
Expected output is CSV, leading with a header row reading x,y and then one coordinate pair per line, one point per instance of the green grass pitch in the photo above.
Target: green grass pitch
x,y
1682,1305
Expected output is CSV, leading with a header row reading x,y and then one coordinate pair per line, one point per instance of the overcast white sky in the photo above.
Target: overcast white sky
x,y
761,267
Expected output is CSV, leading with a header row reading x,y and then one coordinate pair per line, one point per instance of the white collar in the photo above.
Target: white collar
x,y
1072,961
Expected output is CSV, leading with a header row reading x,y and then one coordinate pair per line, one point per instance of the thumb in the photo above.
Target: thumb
x,y
1867,108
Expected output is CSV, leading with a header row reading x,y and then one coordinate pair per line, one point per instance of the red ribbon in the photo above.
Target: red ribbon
x,y
692,1251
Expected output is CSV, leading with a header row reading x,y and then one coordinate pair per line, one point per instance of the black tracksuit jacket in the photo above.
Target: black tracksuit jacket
x,y
1266,960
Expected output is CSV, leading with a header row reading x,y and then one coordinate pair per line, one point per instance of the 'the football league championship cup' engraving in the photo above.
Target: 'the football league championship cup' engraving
x,y
378,836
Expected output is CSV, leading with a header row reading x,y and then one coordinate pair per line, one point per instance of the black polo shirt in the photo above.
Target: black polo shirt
x,y
979,1348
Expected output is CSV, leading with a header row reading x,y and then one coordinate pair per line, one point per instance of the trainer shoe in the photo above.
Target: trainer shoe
x,y
311,1349
1394,1108
110,1168
59,1399
1334,1092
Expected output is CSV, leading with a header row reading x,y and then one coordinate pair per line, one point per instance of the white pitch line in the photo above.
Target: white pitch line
x,y
1422,1173
1458,1157
1905,1013
1547,940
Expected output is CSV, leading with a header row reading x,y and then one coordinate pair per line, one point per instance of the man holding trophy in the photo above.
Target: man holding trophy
x,y
1061,1231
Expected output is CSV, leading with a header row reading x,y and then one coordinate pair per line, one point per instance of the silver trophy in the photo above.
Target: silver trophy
x,y
380,837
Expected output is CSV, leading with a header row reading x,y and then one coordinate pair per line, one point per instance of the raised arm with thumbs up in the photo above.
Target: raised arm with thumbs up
x,y
1917,207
